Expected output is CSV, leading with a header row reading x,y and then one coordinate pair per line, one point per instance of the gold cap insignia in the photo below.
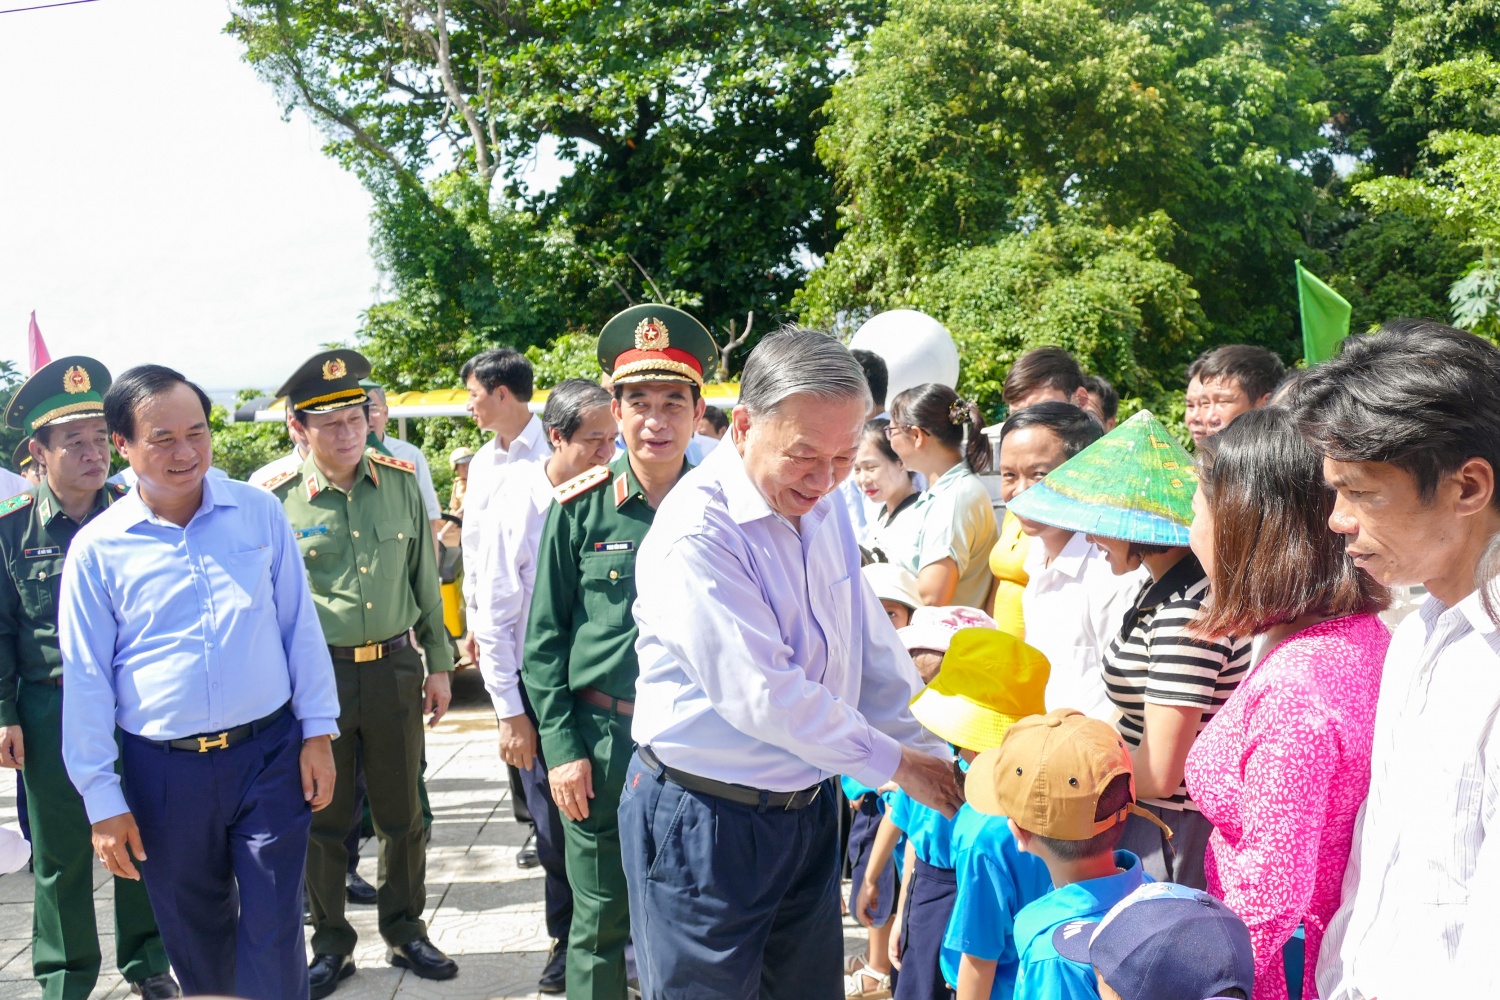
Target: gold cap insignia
x,y
334,368
651,335
76,380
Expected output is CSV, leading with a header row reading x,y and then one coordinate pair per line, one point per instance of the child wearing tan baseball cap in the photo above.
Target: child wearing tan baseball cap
x,y
1065,783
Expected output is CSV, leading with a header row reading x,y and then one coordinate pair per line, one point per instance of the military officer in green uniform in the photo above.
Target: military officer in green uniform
x,y
579,666
362,528
62,407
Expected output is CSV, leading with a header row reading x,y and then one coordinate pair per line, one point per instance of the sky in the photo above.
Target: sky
x,y
155,206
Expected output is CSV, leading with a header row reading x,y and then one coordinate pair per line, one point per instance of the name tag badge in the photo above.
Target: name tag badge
x,y
614,546
317,529
42,552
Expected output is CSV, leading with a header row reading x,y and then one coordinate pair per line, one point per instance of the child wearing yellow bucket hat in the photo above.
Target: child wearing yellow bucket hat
x,y
988,681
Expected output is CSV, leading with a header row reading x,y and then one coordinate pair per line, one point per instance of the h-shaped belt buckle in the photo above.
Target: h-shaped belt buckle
x,y
368,652
810,799
220,743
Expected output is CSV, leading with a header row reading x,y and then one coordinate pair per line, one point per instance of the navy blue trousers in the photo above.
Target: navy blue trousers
x,y
225,833
728,901
862,828
557,893
929,905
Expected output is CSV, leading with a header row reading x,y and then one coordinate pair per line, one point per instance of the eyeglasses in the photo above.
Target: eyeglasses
x,y
891,430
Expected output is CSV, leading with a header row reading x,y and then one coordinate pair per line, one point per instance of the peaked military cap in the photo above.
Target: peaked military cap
x,y
70,388
327,381
656,343
20,458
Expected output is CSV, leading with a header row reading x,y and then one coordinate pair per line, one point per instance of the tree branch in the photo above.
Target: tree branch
x,y
442,52
733,343
649,281
604,272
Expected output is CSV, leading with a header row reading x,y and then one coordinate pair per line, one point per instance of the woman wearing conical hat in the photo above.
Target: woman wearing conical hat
x,y
1131,492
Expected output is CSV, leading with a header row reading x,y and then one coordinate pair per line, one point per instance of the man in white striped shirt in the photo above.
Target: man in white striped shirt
x,y
1408,422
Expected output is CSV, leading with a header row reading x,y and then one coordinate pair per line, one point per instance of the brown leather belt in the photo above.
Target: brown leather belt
x,y
743,794
370,650
49,681
597,698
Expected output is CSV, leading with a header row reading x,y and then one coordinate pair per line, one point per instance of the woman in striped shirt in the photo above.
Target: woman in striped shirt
x,y
1132,492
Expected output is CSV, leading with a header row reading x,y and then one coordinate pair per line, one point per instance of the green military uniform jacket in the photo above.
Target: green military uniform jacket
x,y
34,537
369,556
581,631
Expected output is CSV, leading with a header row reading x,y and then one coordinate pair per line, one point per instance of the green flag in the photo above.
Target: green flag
x,y
1325,316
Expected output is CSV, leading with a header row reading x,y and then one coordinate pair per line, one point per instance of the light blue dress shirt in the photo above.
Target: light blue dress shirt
x,y
171,631
765,658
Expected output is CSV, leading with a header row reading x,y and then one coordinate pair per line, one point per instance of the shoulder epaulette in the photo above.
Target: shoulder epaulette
x,y
395,463
280,479
17,502
580,485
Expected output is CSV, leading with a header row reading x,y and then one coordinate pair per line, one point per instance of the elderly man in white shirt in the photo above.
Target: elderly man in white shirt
x,y
767,668
1408,422
581,431
500,387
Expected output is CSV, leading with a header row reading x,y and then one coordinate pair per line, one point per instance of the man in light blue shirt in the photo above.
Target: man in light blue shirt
x,y
767,667
186,624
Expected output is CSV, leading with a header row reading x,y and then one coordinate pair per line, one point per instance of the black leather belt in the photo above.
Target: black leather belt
x,y
220,741
743,794
370,650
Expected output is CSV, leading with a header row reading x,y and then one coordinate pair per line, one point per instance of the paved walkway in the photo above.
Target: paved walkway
x,y
481,908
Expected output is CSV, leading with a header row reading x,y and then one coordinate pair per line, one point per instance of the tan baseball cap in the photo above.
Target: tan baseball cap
x,y
1048,773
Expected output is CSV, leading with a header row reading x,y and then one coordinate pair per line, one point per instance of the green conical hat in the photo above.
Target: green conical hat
x,y
1136,483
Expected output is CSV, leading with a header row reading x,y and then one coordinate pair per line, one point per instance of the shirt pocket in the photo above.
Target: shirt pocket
x,y
391,538
39,588
320,557
249,576
837,617
607,580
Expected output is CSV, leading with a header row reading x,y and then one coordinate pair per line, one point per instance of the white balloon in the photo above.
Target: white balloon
x,y
916,348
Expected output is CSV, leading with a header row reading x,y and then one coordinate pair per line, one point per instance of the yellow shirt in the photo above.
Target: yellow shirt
x,y
1008,563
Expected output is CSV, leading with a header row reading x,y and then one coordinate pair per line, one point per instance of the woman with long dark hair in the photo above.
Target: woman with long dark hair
x,y
1284,766
941,436
892,534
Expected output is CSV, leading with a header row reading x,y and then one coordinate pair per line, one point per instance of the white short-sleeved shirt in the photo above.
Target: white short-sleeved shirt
x,y
955,520
1073,610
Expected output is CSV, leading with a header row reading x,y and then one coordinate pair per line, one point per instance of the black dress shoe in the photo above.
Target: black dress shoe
x,y
527,856
326,972
555,976
358,891
423,958
159,987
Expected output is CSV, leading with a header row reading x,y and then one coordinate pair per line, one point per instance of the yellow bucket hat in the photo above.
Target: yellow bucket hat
x,y
989,680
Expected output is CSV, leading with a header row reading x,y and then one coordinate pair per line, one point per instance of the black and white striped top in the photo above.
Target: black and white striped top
x,y
1157,659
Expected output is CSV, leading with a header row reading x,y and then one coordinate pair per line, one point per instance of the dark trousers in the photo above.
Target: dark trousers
x,y
65,956
226,834
547,825
380,726
730,901
929,905
864,822
1177,860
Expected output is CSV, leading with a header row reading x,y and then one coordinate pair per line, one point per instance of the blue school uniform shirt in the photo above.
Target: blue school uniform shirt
x,y
995,880
1046,975
930,832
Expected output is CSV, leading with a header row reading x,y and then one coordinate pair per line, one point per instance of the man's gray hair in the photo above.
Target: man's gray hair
x,y
569,402
798,362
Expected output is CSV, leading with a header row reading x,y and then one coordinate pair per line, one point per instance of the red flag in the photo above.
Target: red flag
x,y
38,346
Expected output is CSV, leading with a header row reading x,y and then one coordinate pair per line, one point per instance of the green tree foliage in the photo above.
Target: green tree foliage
x,y
689,126
965,125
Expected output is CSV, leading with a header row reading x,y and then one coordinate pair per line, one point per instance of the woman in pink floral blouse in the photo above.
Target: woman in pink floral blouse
x,y
1282,769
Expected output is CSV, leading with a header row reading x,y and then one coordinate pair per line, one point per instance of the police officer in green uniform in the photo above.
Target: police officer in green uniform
x,y
362,528
62,407
579,666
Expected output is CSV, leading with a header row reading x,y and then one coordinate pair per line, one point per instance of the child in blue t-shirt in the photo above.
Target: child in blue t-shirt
x,y
1064,782
987,680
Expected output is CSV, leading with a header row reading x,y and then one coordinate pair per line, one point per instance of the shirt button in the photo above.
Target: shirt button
x,y
355,534
399,536
614,574
312,552
368,605
363,570
42,575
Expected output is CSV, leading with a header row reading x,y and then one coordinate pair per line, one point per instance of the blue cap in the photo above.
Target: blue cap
x,y
1164,942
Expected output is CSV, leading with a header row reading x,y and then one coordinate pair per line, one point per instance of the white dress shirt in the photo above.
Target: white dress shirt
x,y
765,658
510,535
1421,904
486,475
408,452
1073,608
